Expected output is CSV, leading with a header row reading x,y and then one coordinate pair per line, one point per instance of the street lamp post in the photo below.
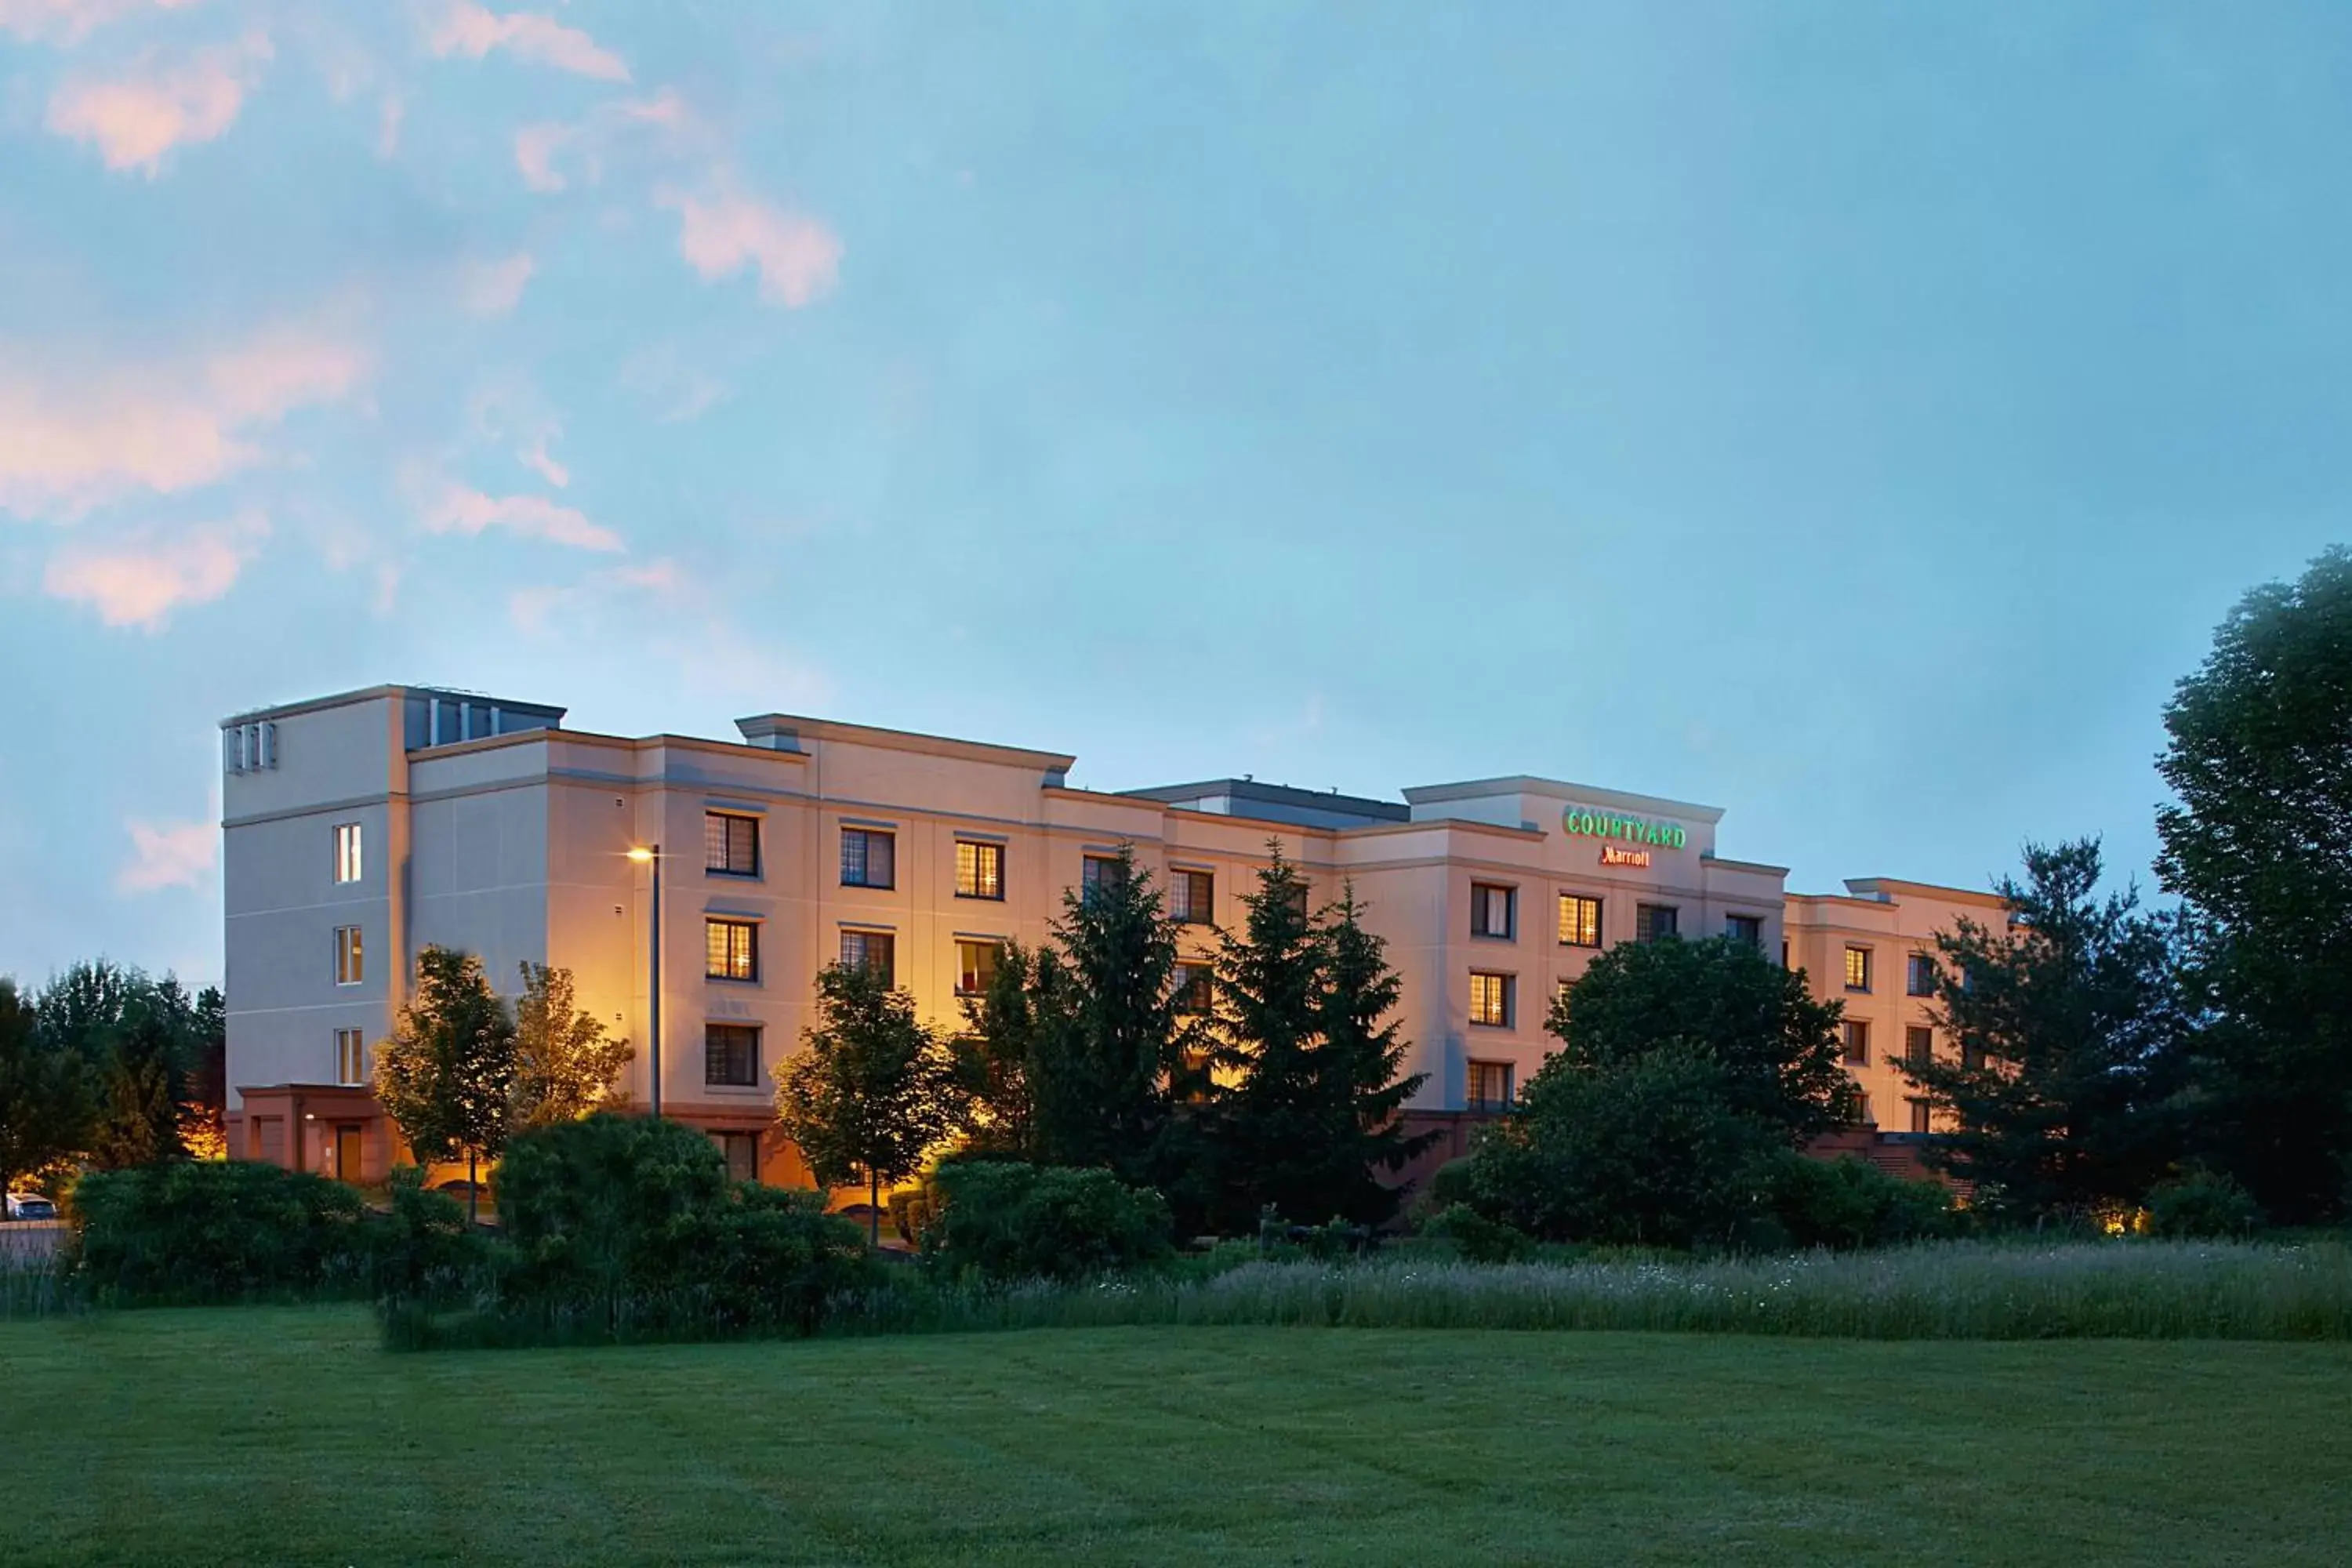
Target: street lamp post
x,y
653,1008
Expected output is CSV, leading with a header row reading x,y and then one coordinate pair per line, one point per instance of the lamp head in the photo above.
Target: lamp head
x,y
640,854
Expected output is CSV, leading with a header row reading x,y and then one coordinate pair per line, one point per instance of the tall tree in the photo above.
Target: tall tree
x,y
204,1109
45,1102
2260,844
874,1093
1363,1058
565,1064
998,1053
447,1075
2071,1027
1275,1115
143,1076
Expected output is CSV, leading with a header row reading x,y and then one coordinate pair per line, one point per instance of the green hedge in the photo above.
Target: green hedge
x,y
999,1220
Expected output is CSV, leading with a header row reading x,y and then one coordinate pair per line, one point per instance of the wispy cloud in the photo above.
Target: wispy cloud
x,y
676,390
139,581
539,146
135,118
474,32
493,287
167,855
798,257
71,21
71,438
458,509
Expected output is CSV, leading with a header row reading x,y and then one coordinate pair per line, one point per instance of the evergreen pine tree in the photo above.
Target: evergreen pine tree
x,y
1362,1058
1274,1119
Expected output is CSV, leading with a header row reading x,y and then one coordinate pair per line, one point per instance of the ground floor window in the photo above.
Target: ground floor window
x,y
1919,1116
742,1152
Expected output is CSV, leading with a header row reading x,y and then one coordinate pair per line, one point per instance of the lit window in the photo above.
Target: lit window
x,y
347,852
868,858
1655,923
1857,969
1919,1116
731,950
1098,872
1919,979
731,844
1196,990
976,965
1918,1044
1488,1085
1580,920
1857,1043
1490,1000
350,967
731,1054
351,1056
1192,898
1492,908
980,870
1747,930
875,951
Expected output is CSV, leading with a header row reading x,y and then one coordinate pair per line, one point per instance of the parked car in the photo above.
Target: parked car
x,y
458,1187
30,1205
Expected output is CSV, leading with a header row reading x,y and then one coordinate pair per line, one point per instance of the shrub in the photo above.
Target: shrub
x,y
1004,1221
1475,1238
211,1231
2202,1203
423,1244
1846,1204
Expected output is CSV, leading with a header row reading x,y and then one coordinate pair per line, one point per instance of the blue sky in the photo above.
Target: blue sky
x,y
1853,415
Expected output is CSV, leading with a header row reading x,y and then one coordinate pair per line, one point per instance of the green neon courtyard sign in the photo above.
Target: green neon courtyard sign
x,y
1583,822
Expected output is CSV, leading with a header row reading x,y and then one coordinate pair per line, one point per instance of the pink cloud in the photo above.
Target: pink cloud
x,y
70,21
493,287
535,147
470,30
167,855
135,120
798,259
535,457
73,436
139,581
469,511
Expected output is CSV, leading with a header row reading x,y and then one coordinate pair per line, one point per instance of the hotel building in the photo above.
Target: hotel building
x,y
359,828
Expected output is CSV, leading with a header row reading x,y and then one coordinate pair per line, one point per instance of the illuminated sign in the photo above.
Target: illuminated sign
x,y
1611,854
1583,822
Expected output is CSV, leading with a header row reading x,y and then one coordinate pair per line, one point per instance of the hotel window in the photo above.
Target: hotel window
x,y
1097,872
1918,1044
1919,1116
1655,923
869,858
1297,900
731,844
1919,975
743,1154
1747,930
1972,1056
1487,1085
347,852
731,1054
1857,1043
731,950
351,1056
1861,1117
1580,920
1490,1000
1192,898
1857,969
980,870
976,964
1196,990
1492,910
350,966
874,951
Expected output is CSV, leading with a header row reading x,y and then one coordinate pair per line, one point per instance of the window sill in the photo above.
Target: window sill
x,y
734,876
733,980
742,1089
873,887
982,897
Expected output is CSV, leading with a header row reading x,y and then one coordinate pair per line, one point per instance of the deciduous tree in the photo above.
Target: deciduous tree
x,y
46,1099
565,1064
447,1075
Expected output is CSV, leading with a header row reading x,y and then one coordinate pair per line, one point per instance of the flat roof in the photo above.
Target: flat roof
x,y
1562,791
1329,800
767,730
371,693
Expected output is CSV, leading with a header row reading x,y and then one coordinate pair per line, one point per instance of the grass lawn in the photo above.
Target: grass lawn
x,y
286,1436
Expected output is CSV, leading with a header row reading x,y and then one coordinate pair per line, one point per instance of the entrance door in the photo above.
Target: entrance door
x,y
348,1161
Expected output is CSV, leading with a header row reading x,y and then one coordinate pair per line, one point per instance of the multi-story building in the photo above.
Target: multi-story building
x,y
362,827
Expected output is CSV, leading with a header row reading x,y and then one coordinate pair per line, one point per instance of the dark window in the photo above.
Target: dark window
x,y
731,950
350,967
1857,1043
1099,871
1918,1044
980,870
869,859
1972,1056
1297,900
742,1152
1490,1000
1748,929
1192,898
1493,910
1857,969
1919,1116
731,1054
976,964
873,950
1580,920
1862,1115
1196,990
1655,923
1919,979
1488,1085
731,844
